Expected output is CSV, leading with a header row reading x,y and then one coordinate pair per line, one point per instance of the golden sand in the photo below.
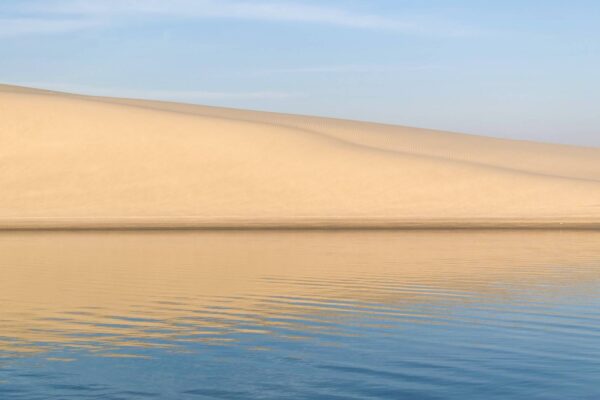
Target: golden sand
x,y
69,161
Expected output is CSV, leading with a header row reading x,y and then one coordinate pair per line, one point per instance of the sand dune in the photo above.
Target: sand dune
x,y
69,161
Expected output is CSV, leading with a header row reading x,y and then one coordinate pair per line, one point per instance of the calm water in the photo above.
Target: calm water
x,y
300,315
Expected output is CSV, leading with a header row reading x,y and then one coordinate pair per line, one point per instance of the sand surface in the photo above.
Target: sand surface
x,y
69,161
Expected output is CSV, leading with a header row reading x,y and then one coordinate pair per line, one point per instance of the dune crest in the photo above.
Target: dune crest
x,y
70,161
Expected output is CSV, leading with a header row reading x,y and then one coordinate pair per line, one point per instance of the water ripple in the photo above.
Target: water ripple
x,y
300,315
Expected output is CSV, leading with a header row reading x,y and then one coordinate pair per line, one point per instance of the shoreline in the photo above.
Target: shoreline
x,y
189,223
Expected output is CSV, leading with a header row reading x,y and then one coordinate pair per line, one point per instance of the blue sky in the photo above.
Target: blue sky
x,y
522,69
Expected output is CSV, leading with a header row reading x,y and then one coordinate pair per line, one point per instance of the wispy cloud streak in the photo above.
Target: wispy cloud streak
x,y
357,68
11,27
90,12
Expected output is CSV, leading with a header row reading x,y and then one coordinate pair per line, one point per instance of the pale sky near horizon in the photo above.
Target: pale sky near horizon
x,y
523,69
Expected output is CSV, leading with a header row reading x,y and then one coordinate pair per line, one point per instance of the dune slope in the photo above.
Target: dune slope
x,y
69,161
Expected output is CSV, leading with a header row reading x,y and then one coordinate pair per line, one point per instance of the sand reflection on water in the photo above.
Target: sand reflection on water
x,y
299,314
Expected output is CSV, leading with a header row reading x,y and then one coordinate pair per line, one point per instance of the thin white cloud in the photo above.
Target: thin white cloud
x,y
357,68
208,95
110,11
10,27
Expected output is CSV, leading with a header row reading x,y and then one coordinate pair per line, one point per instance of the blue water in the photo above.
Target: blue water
x,y
448,315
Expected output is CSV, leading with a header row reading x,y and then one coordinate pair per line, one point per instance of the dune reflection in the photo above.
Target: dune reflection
x,y
101,291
